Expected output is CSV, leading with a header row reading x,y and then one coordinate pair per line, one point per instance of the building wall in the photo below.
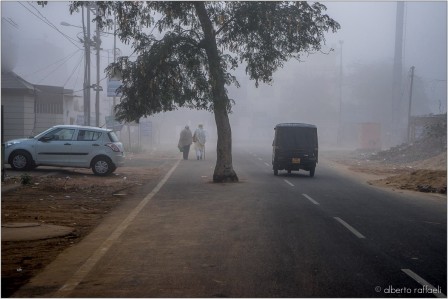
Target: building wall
x,y
47,120
71,110
18,116
20,120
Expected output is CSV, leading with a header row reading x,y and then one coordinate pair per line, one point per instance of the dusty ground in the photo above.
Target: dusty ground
x,y
71,197
76,198
427,175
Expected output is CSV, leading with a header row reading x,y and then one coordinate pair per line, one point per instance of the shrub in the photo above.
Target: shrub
x,y
26,179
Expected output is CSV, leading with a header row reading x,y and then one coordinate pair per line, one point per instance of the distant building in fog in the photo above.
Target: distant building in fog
x,y
29,109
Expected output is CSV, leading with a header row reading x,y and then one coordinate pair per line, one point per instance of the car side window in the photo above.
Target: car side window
x,y
86,135
63,134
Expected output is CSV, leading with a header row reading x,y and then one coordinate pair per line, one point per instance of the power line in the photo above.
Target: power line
x,y
74,69
60,60
77,75
60,65
11,22
49,24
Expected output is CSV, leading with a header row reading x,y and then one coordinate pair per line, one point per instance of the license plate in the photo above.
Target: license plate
x,y
296,160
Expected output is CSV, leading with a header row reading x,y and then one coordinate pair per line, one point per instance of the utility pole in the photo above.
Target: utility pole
x,y
396,111
410,103
97,88
86,67
115,59
341,42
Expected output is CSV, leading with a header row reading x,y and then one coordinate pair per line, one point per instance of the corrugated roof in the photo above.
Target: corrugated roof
x,y
11,80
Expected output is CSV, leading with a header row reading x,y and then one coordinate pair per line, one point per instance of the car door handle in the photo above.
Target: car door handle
x,y
95,144
67,143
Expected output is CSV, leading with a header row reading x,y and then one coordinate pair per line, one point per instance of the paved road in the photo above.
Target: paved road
x,y
285,236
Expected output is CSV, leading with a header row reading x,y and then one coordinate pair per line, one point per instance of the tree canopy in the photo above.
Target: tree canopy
x,y
186,52
171,67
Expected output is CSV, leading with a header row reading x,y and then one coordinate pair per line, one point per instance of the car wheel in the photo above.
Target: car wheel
x,y
21,160
312,171
102,166
275,171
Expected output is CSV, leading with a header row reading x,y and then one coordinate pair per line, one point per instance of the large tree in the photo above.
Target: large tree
x,y
185,52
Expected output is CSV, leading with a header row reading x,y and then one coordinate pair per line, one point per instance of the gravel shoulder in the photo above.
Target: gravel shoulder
x,y
427,175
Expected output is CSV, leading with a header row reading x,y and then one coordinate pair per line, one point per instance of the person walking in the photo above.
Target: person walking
x,y
185,141
199,139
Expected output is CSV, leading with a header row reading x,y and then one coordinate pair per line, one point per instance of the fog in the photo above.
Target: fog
x,y
342,89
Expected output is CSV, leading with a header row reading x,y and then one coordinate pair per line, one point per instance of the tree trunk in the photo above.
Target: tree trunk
x,y
224,169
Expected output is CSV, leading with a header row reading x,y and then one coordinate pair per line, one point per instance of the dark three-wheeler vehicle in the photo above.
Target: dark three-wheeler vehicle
x,y
295,147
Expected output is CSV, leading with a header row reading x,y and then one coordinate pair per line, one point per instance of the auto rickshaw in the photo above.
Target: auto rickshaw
x,y
295,147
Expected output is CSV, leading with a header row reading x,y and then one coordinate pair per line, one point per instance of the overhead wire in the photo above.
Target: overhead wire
x,y
59,66
74,69
10,22
77,75
66,58
46,21
43,19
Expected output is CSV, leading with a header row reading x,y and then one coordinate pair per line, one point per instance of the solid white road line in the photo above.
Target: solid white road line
x,y
350,228
267,164
82,272
310,199
289,183
423,282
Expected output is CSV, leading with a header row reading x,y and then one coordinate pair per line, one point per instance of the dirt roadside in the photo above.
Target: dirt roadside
x,y
427,175
78,199
71,198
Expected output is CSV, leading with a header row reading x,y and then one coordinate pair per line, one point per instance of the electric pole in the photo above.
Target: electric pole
x,y
86,67
341,42
115,58
97,88
410,104
397,112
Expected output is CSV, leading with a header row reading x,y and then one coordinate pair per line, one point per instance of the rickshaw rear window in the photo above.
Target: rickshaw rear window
x,y
296,137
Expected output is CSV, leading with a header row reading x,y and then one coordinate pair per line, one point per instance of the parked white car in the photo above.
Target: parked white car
x,y
68,145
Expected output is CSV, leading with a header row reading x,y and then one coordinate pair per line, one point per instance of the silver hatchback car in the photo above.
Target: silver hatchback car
x,y
70,146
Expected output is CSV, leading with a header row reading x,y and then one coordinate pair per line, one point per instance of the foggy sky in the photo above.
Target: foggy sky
x,y
41,55
367,29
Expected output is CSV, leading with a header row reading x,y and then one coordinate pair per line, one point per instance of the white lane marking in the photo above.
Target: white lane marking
x,y
350,228
289,183
82,272
423,282
267,164
260,159
310,199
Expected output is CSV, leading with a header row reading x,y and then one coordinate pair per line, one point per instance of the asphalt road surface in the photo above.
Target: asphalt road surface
x,y
267,236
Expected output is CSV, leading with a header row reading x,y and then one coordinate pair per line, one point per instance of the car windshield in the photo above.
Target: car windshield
x,y
43,133
296,137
